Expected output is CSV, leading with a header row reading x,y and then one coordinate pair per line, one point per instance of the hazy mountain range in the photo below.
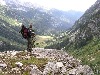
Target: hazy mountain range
x,y
45,22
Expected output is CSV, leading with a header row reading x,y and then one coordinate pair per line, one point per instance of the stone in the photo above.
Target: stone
x,y
63,70
3,65
13,53
35,70
72,72
19,64
59,64
87,70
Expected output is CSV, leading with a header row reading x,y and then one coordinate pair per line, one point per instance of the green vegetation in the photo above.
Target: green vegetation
x,y
10,20
9,31
39,62
10,44
7,18
1,74
26,73
89,54
41,41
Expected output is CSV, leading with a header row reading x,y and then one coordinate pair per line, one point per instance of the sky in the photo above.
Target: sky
x,y
78,5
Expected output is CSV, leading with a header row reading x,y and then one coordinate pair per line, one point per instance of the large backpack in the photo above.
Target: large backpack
x,y
25,33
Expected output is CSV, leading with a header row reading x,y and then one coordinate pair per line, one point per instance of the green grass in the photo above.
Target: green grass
x,y
26,73
1,73
10,20
14,43
90,55
40,62
41,40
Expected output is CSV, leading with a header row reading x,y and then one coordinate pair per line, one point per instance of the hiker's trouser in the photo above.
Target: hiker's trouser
x,y
30,45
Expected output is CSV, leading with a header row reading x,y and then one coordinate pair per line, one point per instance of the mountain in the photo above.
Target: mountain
x,y
10,38
45,22
86,28
83,39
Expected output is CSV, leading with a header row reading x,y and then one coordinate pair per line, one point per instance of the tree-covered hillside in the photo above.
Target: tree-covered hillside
x,y
10,38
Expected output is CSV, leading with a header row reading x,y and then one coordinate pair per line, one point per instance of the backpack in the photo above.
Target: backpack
x,y
25,33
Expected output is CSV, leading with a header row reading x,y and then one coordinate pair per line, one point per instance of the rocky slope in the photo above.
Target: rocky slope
x,y
41,62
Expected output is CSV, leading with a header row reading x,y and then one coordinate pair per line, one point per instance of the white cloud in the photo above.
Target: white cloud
x,y
80,5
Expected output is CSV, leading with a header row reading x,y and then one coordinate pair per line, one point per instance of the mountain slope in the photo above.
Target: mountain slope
x,y
9,31
83,39
41,62
10,37
44,22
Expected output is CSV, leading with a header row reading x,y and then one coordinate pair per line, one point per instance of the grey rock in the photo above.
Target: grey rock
x,y
35,70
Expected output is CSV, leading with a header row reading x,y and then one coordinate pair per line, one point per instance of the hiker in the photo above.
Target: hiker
x,y
31,38
28,34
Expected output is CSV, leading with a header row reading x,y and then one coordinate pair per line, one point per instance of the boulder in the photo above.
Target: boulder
x,y
35,70
54,67
3,65
19,64
81,70
59,64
